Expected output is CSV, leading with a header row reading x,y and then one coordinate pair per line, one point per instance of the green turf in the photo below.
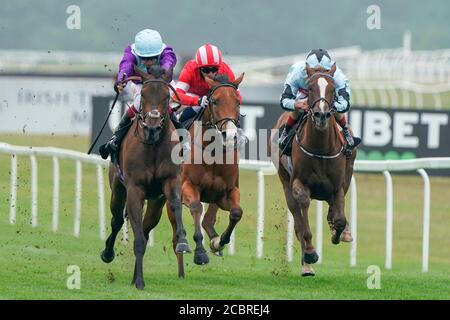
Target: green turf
x,y
34,260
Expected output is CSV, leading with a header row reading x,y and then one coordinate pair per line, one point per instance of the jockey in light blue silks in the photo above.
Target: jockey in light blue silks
x,y
295,94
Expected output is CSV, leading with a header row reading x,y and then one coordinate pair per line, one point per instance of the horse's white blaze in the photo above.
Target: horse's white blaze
x,y
322,86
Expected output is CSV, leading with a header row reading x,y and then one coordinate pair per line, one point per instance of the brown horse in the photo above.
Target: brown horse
x,y
147,172
320,169
215,182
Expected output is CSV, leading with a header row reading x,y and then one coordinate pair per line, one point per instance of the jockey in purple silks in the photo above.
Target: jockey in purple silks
x,y
146,51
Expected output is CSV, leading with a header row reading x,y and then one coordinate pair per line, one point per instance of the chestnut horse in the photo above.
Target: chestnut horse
x,y
147,172
217,182
320,169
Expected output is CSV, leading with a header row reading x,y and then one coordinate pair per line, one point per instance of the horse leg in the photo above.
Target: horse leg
x,y
172,190
346,235
302,196
294,208
135,203
179,255
152,215
209,220
191,198
117,204
235,215
339,222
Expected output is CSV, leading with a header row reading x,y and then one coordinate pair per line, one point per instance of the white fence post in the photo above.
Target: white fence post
x,y
260,215
78,179
13,196
101,202
353,222
34,191
389,219
426,219
290,236
55,210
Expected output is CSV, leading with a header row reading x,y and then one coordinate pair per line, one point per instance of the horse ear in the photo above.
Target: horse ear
x,y
209,81
333,69
168,74
238,81
309,71
140,73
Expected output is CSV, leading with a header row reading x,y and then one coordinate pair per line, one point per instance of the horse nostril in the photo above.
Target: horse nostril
x,y
328,115
316,114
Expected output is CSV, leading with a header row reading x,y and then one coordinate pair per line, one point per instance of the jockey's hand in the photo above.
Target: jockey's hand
x,y
301,104
203,101
118,87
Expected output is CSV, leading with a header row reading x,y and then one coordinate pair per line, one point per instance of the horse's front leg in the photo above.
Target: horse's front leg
x,y
191,198
209,220
117,204
338,221
135,203
303,231
234,197
172,191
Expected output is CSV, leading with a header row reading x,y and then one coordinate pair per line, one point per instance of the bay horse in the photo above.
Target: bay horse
x,y
146,172
214,183
320,169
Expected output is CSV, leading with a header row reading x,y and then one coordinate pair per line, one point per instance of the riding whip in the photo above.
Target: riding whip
x,y
107,117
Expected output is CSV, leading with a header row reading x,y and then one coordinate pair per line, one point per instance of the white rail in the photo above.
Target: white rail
x,y
262,169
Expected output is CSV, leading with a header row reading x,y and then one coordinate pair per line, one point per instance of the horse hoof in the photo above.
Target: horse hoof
x,y
106,258
201,258
183,248
308,271
218,253
335,237
346,236
140,285
215,246
311,258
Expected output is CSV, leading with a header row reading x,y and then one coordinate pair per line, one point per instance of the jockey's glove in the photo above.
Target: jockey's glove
x,y
203,101
118,87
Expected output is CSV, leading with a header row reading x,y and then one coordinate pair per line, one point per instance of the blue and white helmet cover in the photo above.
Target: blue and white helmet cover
x,y
319,57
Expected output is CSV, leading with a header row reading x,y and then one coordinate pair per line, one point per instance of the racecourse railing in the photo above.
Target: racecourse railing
x,y
262,169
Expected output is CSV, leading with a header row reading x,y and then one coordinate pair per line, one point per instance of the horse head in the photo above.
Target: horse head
x,y
155,95
321,95
223,108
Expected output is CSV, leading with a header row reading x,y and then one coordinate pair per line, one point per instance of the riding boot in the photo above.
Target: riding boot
x,y
348,137
114,143
283,137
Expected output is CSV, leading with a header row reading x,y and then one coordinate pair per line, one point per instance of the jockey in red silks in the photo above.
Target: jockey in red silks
x,y
192,87
147,50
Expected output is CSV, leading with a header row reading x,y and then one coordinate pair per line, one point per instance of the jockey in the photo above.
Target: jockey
x,y
295,94
192,87
146,51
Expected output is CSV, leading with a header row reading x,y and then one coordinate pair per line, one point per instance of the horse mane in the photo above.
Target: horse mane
x,y
222,78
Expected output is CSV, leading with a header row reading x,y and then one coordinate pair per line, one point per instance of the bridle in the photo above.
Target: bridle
x,y
310,111
152,114
218,124
312,105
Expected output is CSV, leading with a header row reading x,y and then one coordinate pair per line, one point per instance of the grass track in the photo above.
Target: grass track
x,y
34,260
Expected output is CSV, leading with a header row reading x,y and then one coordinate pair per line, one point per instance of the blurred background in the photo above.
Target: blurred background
x,y
56,56
58,59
